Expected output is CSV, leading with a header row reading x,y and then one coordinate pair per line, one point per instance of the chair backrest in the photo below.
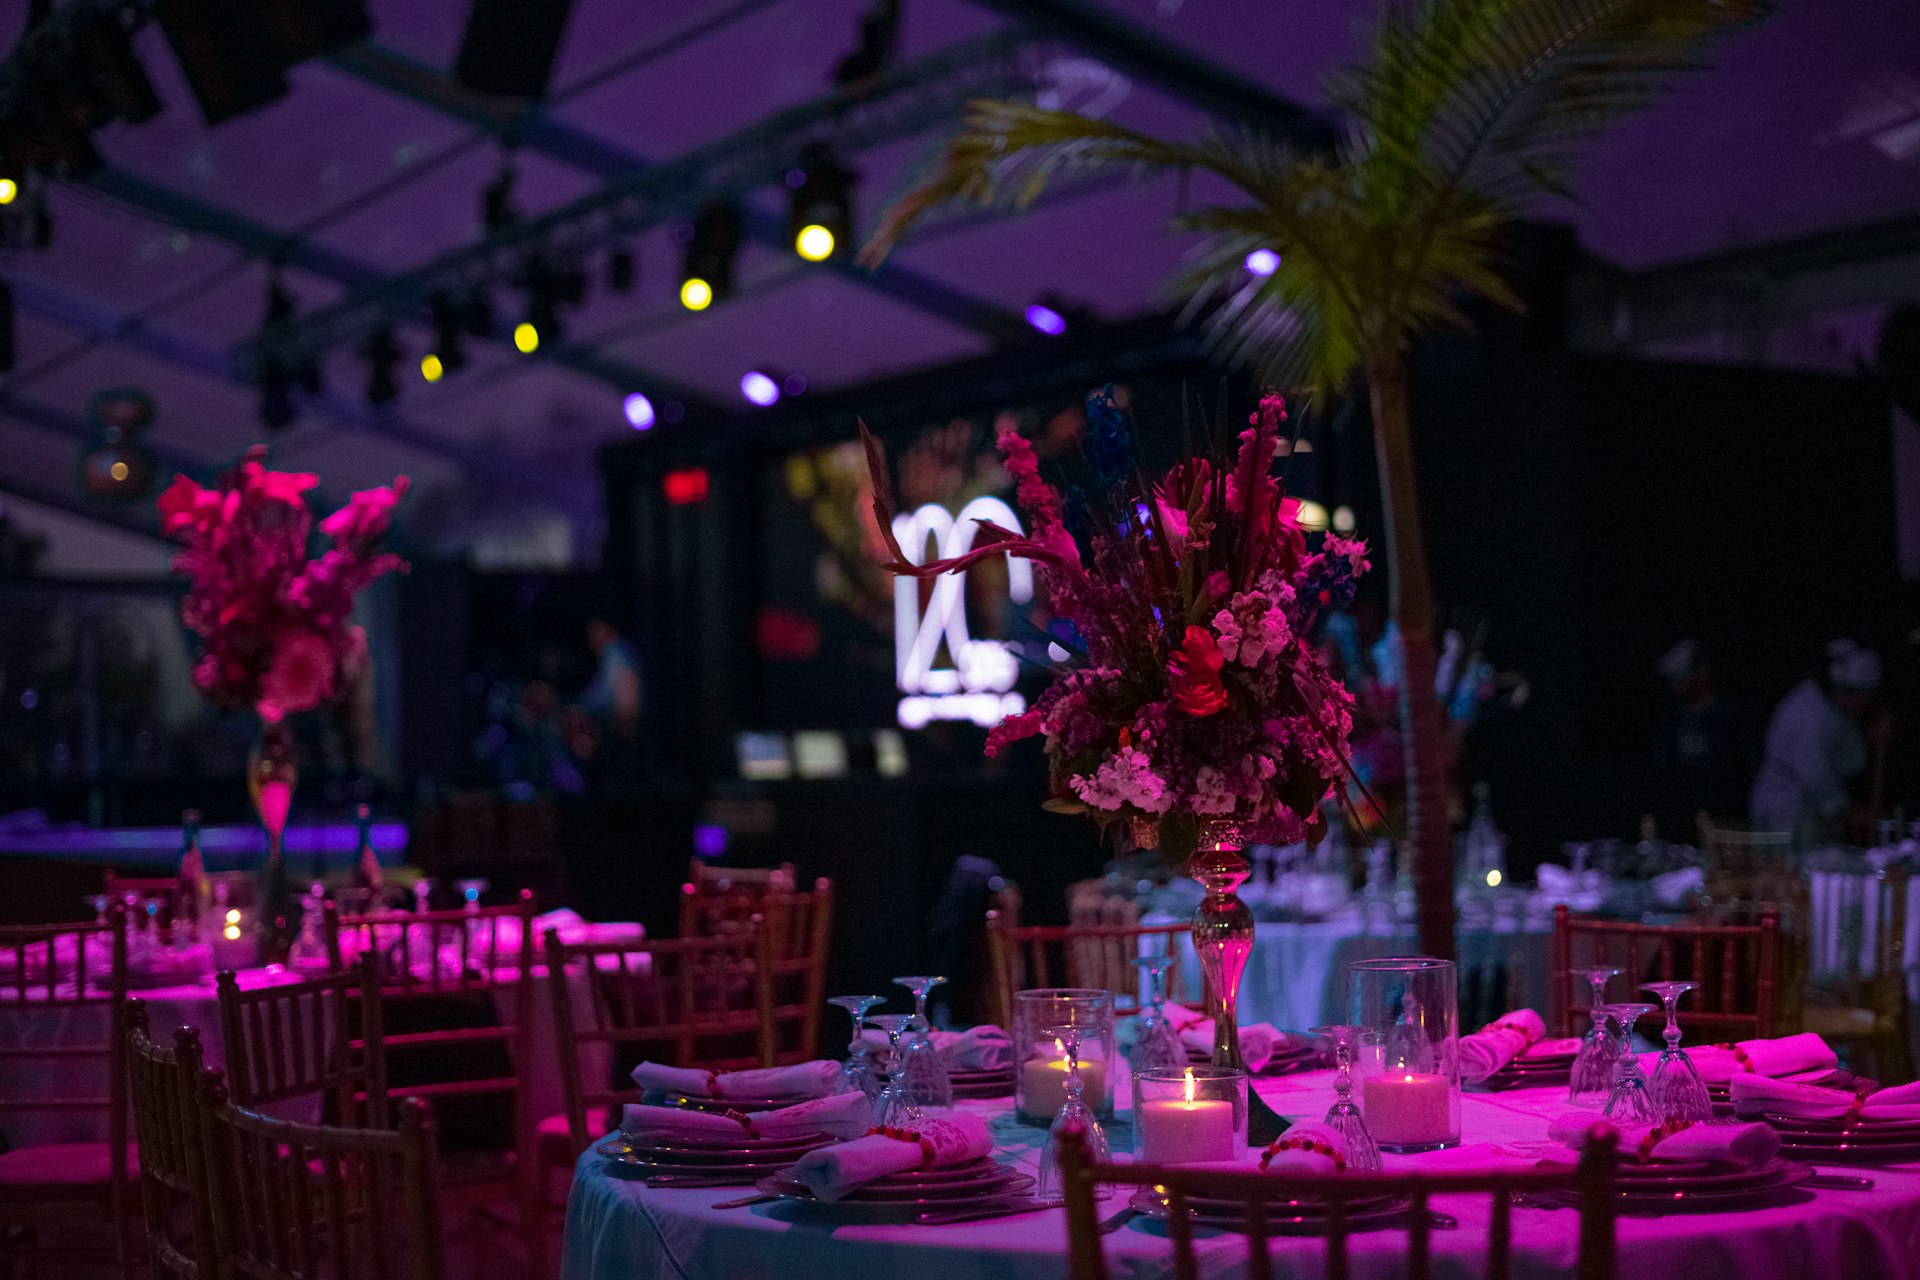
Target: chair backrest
x,y
465,950
319,1202
166,1123
685,1002
1743,862
1093,955
1858,922
1738,966
320,1036
704,878
77,967
1590,1182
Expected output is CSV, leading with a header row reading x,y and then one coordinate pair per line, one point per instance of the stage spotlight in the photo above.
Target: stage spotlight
x,y
820,215
431,367
276,398
639,411
526,338
1262,262
449,347
382,354
1343,519
879,38
9,190
1046,320
621,271
118,468
496,201
758,388
708,271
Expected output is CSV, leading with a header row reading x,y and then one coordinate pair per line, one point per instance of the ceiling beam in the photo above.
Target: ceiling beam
x,y
908,100
1151,58
537,131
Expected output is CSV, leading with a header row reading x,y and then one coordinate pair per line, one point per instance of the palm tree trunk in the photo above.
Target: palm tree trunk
x,y
1429,838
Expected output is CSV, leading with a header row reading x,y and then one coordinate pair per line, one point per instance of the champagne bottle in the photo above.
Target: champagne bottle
x,y
366,872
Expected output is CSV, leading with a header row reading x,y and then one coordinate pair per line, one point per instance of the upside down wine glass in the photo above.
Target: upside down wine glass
x,y
892,1106
923,1074
1631,1101
1593,1066
1678,1093
856,1073
1156,1045
1343,1117
1073,1111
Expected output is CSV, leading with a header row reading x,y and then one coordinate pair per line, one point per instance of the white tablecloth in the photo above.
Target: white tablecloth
x,y
618,1229
1845,926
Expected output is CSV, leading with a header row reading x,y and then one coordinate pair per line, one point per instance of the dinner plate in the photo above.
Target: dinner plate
x,y
745,1170
1283,1218
718,1141
746,1106
886,1194
1852,1152
1909,1129
1703,1196
699,1157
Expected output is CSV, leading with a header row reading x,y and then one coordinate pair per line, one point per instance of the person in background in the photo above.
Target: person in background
x,y
612,702
1816,748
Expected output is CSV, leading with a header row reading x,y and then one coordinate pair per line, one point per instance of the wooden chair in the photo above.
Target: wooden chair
x,y
318,1038
685,1002
58,971
320,1202
1738,967
166,1122
799,927
1591,1181
1858,962
1743,863
705,878
1100,956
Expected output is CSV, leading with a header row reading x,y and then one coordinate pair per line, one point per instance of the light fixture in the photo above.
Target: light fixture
x,y
820,214
1263,262
496,200
9,190
639,411
431,367
814,243
759,388
449,325
621,270
526,338
1046,320
710,249
1311,516
276,380
1343,519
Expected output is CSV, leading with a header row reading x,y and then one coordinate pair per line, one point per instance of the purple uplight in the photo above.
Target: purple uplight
x,y
1046,320
639,411
759,388
1263,262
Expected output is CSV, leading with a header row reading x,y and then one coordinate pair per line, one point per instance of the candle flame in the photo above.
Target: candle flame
x,y
1189,1086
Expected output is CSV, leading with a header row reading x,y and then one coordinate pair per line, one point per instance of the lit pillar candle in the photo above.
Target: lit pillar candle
x,y
1185,1130
1406,1108
1043,1084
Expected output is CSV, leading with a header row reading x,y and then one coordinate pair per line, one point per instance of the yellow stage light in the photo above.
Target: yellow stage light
x,y
814,243
526,337
696,294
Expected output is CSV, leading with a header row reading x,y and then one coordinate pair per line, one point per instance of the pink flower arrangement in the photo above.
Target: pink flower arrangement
x,y
1195,698
272,620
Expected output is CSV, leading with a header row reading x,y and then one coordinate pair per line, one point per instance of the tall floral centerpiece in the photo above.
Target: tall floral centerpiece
x,y
273,618
1192,711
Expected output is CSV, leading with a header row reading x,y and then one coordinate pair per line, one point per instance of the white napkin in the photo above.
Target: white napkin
x,y
1786,1056
1749,1145
1292,1157
1498,1043
1755,1095
983,1048
814,1079
955,1137
1259,1041
1553,1048
843,1116
1674,887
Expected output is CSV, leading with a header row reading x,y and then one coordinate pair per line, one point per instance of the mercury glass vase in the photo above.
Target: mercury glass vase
x,y
273,770
1223,939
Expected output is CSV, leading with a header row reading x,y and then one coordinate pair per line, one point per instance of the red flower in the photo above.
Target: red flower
x,y
300,677
1193,674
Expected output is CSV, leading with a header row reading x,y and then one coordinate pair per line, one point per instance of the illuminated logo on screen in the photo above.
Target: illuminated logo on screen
x,y
978,684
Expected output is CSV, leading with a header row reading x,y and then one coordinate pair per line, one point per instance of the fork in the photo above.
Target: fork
x,y
1000,1209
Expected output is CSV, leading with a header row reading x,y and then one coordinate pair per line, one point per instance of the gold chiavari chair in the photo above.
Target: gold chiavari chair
x,y
1747,864
166,1122
685,1002
318,1038
1738,966
320,1202
1857,935
705,878
1102,956
75,974
1590,1182
799,928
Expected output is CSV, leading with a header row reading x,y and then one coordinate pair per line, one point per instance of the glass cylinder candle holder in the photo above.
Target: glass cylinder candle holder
x,y
1040,1073
1189,1115
1408,1064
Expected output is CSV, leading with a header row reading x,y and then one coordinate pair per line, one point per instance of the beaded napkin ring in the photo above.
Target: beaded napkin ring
x,y
746,1121
905,1135
1658,1134
1740,1057
1302,1144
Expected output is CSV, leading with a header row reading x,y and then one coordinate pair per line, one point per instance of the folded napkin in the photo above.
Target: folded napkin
x,y
1674,887
984,1048
1756,1095
1553,1048
814,1079
1786,1056
942,1138
1305,1148
1259,1041
844,1115
1498,1043
1748,1145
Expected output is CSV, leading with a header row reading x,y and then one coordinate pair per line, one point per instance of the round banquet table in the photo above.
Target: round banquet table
x,y
619,1229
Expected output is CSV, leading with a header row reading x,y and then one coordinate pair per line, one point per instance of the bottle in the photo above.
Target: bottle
x,y
1486,847
194,895
367,874
309,950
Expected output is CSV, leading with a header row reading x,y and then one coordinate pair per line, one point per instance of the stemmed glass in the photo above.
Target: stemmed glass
x,y
1343,1117
1073,1111
1631,1101
1678,1093
918,1066
1593,1067
856,1073
893,1105
921,988
1156,1045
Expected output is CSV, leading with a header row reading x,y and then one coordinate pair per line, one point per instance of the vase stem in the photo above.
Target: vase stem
x,y
1223,939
